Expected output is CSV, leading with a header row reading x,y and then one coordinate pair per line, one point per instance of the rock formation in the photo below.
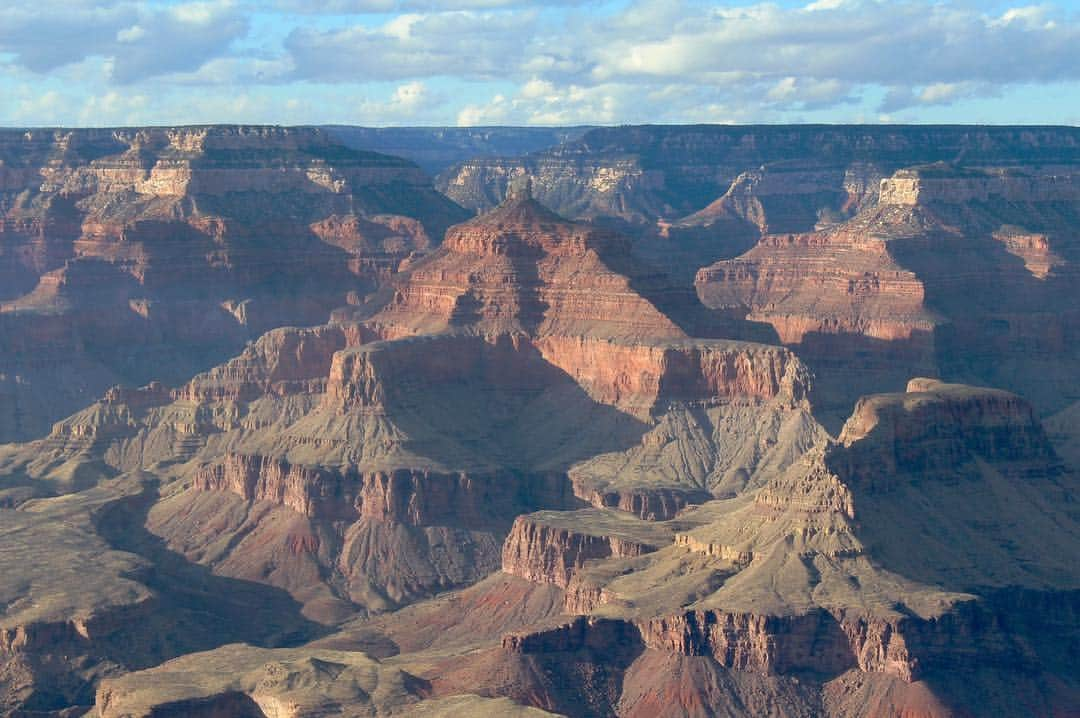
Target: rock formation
x,y
139,255
436,149
522,469
951,273
644,173
839,566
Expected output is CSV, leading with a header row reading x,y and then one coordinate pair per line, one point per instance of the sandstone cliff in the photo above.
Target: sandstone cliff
x,y
884,553
644,173
149,254
950,273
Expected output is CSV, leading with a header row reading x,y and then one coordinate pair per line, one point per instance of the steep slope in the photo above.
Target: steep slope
x,y
140,254
363,465
961,273
693,195
86,595
647,172
677,532
921,563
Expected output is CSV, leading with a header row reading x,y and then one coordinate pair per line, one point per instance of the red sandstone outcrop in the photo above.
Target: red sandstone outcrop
x,y
406,496
283,361
951,273
549,547
523,268
830,569
649,503
159,252
576,295
646,376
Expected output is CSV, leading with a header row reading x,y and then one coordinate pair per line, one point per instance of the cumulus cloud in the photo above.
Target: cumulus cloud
x,y
568,61
856,41
359,7
139,40
462,44
539,102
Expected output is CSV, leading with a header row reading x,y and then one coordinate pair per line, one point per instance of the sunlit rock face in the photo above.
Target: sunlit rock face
x,y
132,255
957,272
525,468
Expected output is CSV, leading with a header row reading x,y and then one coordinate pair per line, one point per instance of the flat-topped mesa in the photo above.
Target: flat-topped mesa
x,y
936,428
373,376
221,160
959,271
830,282
640,379
955,185
550,547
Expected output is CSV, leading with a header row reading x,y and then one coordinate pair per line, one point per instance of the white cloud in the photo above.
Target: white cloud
x,y
462,44
140,39
131,34
517,61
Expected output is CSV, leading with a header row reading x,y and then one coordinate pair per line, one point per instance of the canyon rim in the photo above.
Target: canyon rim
x,y
603,358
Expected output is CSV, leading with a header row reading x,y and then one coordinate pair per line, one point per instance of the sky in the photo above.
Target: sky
x,y
510,62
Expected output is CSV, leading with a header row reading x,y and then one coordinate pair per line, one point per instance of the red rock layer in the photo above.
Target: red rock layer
x,y
161,251
643,377
661,503
523,268
419,498
951,272
975,633
640,378
543,553
284,361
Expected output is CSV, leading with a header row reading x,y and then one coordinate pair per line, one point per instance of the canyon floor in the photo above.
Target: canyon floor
x,y
653,421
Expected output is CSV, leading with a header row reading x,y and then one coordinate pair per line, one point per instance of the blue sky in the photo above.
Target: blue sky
x,y
473,62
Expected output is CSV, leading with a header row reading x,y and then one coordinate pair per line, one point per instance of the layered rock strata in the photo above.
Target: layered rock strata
x,y
950,273
827,568
644,173
149,254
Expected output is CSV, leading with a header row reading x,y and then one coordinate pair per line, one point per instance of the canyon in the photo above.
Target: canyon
x,y
643,421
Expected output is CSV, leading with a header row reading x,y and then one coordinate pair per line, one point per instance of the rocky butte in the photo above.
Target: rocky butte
x,y
417,462
141,254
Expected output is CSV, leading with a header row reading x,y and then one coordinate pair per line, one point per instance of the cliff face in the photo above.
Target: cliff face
x,y
847,563
677,532
642,173
168,248
435,149
950,273
549,547
645,378
404,496
522,268
935,428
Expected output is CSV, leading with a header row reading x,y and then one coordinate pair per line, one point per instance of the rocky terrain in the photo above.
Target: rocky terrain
x,y
435,149
150,254
961,273
513,464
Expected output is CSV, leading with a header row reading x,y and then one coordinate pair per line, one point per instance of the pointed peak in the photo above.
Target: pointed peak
x,y
519,207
